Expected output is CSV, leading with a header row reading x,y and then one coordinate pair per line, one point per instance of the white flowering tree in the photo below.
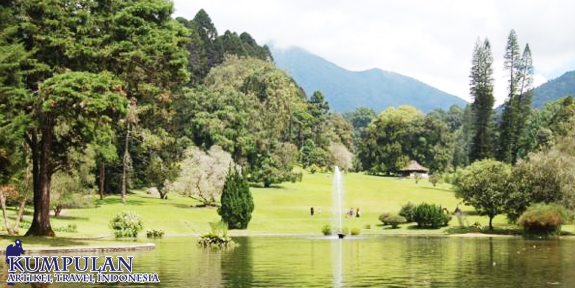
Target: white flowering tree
x,y
203,174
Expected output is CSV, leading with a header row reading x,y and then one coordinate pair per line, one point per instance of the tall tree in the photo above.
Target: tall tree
x,y
482,93
136,42
237,202
517,107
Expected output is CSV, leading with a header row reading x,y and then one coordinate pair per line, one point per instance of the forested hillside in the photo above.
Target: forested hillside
x,y
346,90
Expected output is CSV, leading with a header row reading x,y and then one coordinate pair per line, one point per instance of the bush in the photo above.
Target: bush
x,y
384,216
126,224
313,169
71,228
434,179
155,233
215,240
407,211
327,230
395,220
430,216
543,219
355,231
345,231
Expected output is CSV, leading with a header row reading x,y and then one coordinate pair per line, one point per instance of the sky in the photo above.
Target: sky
x,y
431,41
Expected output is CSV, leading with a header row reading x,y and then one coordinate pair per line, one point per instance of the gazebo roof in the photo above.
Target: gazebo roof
x,y
413,166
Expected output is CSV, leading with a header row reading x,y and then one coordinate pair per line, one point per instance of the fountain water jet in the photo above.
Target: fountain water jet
x,y
337,198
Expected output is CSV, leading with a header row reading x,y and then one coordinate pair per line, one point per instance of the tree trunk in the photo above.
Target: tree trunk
x,y
57,210
3,202
102,179
491,222
125,164
20,215
41,220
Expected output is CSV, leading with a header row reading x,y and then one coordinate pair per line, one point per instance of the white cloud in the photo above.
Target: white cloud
x,y
428,40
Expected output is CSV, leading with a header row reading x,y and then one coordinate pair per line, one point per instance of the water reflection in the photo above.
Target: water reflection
x,y
367,262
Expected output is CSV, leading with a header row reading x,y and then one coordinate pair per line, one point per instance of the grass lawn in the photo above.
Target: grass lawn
x,y
282,209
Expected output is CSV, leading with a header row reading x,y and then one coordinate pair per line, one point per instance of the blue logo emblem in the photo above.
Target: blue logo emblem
x,y
14,250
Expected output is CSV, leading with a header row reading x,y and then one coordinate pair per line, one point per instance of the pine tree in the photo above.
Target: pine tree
x,y
237,202
514,111
482,107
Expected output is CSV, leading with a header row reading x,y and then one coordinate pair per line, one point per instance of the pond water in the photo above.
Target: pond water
x,y
371,261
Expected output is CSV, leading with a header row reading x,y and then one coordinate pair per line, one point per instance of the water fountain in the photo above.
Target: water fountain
x,y
337,198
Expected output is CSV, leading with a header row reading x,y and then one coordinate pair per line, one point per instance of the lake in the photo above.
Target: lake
x,y
369,261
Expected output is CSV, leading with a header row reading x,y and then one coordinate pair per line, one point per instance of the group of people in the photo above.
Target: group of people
x,y
350,213
353,213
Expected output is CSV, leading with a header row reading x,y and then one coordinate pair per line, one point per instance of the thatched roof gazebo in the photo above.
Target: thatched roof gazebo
x,y
411,168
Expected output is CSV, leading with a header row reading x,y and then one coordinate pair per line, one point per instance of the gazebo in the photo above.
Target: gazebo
x,y
412,168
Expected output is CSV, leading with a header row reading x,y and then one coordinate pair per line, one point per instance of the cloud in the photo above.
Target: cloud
x,y
431,41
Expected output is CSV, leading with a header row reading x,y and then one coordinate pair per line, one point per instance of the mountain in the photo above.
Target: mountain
x,y
346,90
554,89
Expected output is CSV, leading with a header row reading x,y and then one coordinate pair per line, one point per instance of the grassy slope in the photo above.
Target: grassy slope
x,y
279,210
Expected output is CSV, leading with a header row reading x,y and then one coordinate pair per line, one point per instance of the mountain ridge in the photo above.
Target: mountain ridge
x,y
346,90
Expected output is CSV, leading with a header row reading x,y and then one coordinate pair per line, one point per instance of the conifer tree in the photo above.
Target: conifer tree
x,y
482,107
237,202
517,107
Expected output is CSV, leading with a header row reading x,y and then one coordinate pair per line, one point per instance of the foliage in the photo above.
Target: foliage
x,y
435,178
399,135
340,156
383,217
327,230
155,233
237,202
126,224
543,219
247,107
203,174
355,231
484,185
430,216
215,240
407,211
70,228
483,100
313,169
395,220
517,107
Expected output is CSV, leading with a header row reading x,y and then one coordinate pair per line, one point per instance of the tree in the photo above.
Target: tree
x,y
386,140
517,107
483,100
115,50
237,202
484,185
340,156
246,107
203,174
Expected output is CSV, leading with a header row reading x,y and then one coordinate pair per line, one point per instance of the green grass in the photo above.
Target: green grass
x,y
282,209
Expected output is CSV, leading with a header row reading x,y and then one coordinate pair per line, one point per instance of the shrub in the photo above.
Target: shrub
x,y
327,230
345,231
407,211
155,233
71,228
430,216
395,220
434,179
313,169
126,224
355,231
543,219
384,216
215,240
